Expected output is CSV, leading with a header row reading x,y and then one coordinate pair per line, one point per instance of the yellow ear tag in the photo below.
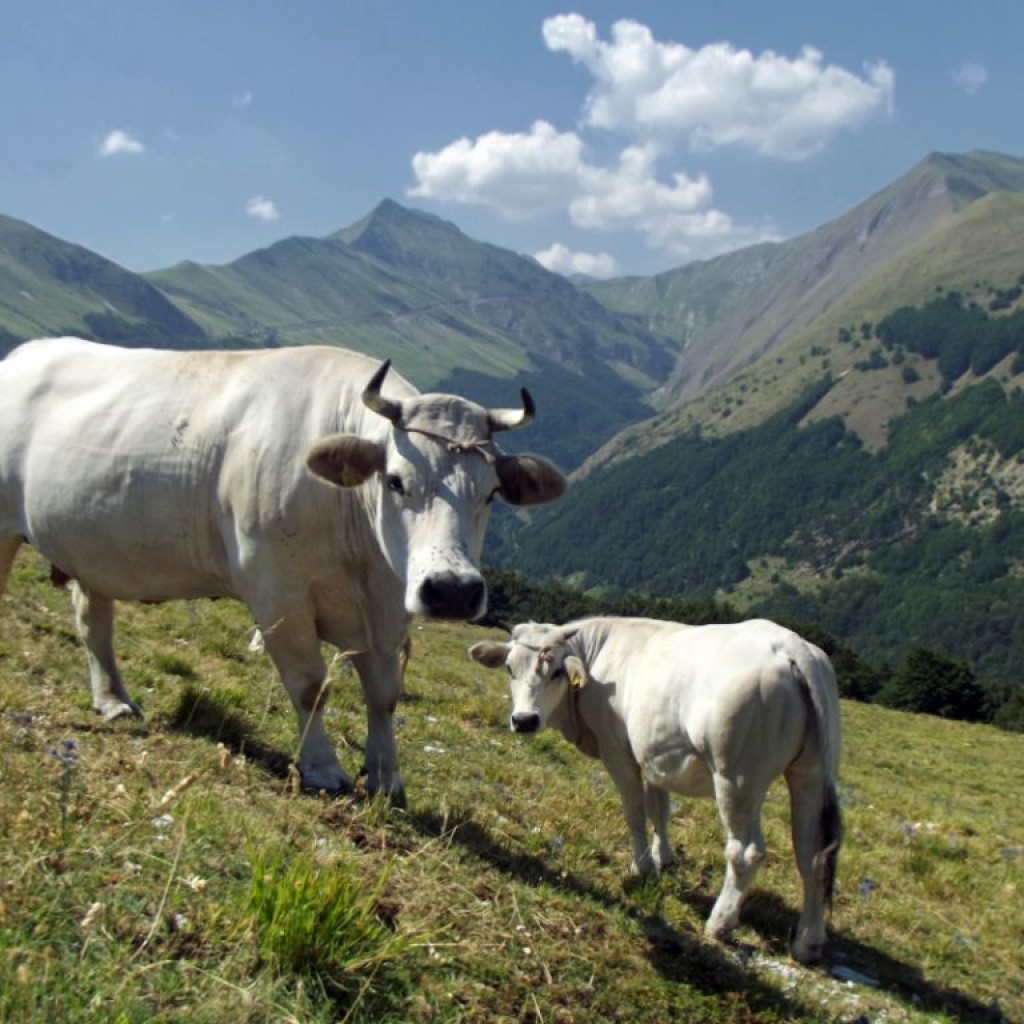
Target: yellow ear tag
x,y
576,678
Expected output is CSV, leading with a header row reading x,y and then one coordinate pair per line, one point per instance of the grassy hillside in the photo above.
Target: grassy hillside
x,y
979,251
412,287
49,286
167,870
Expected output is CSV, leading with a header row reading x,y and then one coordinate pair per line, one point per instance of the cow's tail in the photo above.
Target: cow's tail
x,y
818,686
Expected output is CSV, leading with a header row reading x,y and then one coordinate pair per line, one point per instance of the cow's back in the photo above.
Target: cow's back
x,y
138,470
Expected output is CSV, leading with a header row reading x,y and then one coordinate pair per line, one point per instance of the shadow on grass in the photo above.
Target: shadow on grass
x,y
676,955
765,912
200,714
687,959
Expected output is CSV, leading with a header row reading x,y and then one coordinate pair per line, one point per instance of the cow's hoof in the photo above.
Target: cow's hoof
x,y
330,779
394,793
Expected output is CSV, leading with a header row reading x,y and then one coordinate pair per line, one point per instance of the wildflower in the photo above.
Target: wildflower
x,y
66,753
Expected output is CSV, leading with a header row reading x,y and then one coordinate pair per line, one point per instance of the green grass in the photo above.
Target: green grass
x,y
170,870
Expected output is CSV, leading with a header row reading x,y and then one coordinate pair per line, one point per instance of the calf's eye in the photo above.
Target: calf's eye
x,y
394,484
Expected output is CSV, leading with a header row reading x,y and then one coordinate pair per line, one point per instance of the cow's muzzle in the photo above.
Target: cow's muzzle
x,y
525,721
451,595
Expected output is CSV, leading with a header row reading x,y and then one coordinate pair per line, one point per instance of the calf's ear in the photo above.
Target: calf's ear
x,y
529,480
489,653
576,671
345,460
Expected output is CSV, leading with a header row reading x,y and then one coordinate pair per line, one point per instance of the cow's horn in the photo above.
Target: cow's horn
x,y
509,419
373,399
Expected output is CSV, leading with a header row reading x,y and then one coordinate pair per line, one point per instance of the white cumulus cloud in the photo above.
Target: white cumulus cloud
x,y
521,173
262,209
620,169
119,142
970,77
560,259
717,95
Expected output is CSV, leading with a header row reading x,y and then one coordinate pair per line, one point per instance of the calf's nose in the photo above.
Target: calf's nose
x,y
525,721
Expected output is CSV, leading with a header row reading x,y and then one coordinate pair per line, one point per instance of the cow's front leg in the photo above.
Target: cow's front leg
x,y
294,646
94,620
381,679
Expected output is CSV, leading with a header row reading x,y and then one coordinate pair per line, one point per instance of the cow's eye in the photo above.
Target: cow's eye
x,y
395,484
559,673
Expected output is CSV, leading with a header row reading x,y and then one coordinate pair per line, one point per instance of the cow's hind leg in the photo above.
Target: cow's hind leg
x,y
8,549
381,679
293,644
94,619
740,811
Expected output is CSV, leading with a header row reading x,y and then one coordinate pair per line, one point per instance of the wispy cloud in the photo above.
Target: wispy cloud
x,y
241,100
661,99
119,143
262,209
970,77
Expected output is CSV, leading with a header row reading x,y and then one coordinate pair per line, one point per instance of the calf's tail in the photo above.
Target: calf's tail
x,y
830,837
822,698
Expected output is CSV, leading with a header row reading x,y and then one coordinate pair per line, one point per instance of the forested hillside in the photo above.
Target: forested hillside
x,y
918,543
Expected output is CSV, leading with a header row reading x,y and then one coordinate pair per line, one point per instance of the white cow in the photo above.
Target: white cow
x,y
717,710
152,475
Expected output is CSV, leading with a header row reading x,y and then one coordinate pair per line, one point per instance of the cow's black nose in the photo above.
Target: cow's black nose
x,y
450,595
525,721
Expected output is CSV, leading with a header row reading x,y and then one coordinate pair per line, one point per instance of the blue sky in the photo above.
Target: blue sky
x,y
606,137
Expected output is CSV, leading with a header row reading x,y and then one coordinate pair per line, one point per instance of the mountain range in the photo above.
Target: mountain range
x,y
651,387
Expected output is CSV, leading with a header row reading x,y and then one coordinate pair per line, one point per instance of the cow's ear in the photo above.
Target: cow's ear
x,y
489,653
345,460
529,480
576,671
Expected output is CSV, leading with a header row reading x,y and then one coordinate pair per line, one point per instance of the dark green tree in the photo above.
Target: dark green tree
x,y
932,684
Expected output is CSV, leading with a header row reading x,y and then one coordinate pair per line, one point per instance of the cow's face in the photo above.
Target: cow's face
x,y
541,669
430,484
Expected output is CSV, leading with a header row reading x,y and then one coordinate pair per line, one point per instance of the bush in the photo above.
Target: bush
x,y
931,684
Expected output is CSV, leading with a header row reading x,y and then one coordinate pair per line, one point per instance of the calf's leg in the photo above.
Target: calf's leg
x,y
658,806
814,815
626,774
740,811
94,620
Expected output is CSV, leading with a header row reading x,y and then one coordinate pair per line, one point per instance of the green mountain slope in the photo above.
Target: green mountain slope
x,y
977,252
49,286
411,286
732,311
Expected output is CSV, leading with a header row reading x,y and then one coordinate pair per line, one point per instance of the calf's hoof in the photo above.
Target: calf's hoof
x,y
112,709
